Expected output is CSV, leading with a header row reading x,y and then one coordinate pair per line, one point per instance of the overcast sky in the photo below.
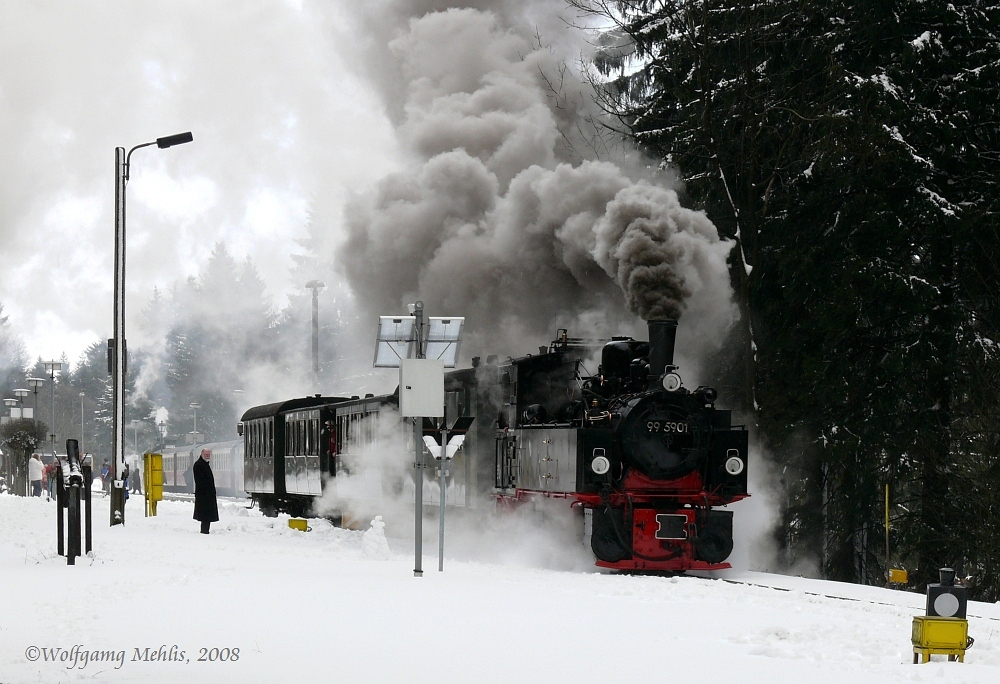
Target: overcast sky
x,y
281,118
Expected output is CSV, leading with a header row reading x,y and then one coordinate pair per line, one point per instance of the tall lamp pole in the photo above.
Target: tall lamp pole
x,y
35,384
194,434
53,367
116,345
11,403
315,286
82,451
134,424
21,394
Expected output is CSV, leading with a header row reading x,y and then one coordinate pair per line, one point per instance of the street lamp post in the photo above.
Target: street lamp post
x,y
315,286
162,428
134,424
117,343
11,403
194,434
35,384
21,394
82,451
53,367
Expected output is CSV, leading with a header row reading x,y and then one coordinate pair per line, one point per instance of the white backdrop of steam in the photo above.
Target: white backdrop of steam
x,y
493,219
544,534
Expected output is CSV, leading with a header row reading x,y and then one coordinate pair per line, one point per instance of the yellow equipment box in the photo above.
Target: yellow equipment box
x,y
941,636
299,524
897,576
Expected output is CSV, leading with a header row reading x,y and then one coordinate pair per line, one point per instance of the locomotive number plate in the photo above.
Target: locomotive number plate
x,y
671,526
666,426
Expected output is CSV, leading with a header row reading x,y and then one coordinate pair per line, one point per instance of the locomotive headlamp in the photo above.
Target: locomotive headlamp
x,y
600,465
672,382
734,465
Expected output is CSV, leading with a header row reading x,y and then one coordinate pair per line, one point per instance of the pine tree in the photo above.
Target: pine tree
x,y
850,149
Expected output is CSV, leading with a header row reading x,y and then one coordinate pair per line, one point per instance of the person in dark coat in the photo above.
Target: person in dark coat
x,y
206,507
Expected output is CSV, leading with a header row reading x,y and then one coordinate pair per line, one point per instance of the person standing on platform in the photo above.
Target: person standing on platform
x,y
206,506
35,469
51,478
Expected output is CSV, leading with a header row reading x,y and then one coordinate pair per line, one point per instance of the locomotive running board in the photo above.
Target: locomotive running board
x,y
673,565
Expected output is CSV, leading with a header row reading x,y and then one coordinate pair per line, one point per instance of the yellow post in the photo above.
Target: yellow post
x,y
887,563
153,475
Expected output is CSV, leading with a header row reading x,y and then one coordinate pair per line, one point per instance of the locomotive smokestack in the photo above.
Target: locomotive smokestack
x,y
662,335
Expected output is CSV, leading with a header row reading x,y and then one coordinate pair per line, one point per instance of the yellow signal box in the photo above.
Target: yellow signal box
x,y
897,576
153,478
939,635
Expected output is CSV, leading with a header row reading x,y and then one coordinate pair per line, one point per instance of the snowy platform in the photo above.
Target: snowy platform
x,y
314,606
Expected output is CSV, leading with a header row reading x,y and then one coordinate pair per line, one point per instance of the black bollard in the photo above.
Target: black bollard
x,y
75,486
60,504
88,479
73,511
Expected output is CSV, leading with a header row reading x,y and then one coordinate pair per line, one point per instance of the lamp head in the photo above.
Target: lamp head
x,y
36,382
21,393
171,140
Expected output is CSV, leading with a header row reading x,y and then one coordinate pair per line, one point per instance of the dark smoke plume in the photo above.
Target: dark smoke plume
x,y
494,218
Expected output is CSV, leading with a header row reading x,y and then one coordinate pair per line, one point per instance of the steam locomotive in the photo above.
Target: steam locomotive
x,y
647,460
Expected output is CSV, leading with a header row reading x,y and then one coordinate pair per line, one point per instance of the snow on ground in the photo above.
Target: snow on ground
x,y
315,607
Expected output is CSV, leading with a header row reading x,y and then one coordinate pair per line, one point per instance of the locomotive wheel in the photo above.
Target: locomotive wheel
x,y
713,545
605,539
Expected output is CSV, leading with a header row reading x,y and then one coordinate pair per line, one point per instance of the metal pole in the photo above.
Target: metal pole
x,y
444,472
887,565
418,501
315,334
81,423
60,505
52,415
118,367
88,481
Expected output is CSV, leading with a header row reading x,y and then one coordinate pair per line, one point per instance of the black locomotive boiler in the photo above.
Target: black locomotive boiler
x,y
649,461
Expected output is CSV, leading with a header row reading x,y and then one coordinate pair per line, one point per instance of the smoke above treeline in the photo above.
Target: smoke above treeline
x,y
462,133
507,212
